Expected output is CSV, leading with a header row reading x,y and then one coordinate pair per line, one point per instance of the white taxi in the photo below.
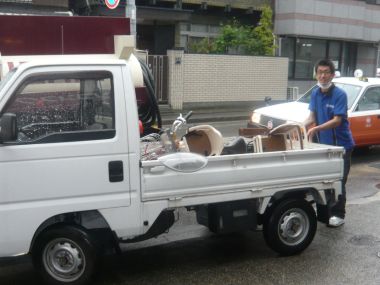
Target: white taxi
x,y
363,96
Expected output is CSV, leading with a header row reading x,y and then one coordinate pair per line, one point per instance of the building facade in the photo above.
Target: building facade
x,y
346,31
185,22
176,24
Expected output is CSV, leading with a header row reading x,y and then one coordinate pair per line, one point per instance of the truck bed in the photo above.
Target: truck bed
x,y
251,174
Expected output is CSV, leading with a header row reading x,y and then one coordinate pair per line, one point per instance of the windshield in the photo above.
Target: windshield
x,y
351,90
6,78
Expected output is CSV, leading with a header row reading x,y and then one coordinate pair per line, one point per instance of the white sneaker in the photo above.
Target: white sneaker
x,y
335,222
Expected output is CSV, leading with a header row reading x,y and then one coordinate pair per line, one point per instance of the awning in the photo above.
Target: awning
x,y
149,14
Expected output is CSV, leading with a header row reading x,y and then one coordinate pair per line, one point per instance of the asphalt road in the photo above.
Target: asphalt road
x,y
190,254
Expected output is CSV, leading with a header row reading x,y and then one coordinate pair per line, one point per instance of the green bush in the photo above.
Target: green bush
x,y
235,38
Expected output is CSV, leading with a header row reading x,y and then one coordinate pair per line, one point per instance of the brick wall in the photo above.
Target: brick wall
x,y
225,79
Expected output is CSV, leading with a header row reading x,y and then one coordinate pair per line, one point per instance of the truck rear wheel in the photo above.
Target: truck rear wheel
x,y
65,255
290,226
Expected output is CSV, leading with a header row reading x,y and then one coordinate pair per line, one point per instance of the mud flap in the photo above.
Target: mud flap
x,y
323,213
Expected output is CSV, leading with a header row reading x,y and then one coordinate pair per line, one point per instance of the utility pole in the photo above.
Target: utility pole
x,y
130,12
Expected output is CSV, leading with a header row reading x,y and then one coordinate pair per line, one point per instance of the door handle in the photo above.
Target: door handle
x,y
115,171
157,169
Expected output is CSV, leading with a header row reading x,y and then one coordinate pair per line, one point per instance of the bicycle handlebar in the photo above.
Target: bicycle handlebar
x,y
188,115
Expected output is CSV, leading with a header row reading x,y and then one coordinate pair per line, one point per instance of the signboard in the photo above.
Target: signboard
x,y
43,35
112,4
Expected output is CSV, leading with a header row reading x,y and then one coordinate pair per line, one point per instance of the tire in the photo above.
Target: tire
x,y
65,255
364,150
290,226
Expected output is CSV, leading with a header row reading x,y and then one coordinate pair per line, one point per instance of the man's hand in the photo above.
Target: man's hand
x,y
311,132
333,123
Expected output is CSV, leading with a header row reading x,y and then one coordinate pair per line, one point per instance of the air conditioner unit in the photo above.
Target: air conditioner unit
x,y
292,93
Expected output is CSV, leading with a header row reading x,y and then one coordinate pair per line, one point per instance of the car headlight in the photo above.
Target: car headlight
x,y
255,118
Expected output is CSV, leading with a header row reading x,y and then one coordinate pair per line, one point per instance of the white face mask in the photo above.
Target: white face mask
x,y
324,86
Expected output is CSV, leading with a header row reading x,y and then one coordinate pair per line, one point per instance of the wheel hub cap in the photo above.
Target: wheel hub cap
x,y
64,260
293,228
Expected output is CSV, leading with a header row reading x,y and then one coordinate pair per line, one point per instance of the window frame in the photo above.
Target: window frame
x,y
67,136
356,109
328,42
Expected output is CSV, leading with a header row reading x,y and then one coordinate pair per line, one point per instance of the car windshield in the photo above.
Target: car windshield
x,y
351,90
6,78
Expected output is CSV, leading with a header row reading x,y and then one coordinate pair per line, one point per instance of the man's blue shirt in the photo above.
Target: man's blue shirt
x,y
326,106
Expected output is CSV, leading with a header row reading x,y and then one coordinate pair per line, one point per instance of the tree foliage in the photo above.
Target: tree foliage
x,y
264,32
235,38
206,45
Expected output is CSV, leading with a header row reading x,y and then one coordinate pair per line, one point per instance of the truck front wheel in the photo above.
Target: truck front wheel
x,y
65,255
290,226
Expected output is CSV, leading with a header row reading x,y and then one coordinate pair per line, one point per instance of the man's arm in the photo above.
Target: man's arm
x,y
333,123
310,120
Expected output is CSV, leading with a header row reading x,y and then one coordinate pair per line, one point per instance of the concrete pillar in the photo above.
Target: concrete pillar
x,y
130,12
175,78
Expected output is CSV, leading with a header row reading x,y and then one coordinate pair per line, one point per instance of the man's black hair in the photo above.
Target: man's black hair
x,y
325,62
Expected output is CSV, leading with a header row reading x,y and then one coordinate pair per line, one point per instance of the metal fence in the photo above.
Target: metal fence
x,y
158,64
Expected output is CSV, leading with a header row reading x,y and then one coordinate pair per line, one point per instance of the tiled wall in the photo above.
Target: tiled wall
x,y
343,19
224,79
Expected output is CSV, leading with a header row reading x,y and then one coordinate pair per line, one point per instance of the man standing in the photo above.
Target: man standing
x,y
328,117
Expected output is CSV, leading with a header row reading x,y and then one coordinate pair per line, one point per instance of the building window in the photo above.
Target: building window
x,y
334,53
287,50
199,28
304,53
308,52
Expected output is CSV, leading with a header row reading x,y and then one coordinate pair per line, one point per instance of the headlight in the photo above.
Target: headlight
x,y
255,118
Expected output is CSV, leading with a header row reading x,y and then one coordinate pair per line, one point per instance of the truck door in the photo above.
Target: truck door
x,y
72,146
365,120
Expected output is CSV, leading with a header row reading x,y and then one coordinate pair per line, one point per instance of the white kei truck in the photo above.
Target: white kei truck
x,y
75,180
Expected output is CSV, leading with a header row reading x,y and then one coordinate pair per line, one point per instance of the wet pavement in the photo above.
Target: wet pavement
x,y
347,255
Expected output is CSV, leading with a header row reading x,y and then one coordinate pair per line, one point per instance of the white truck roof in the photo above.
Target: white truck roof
x,y
9,62
25,62
124,50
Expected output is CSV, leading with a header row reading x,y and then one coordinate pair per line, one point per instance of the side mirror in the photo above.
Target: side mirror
x,y
8,127
267,100
183,161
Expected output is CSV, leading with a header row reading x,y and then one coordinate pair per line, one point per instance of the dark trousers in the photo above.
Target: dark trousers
x,y
339,208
